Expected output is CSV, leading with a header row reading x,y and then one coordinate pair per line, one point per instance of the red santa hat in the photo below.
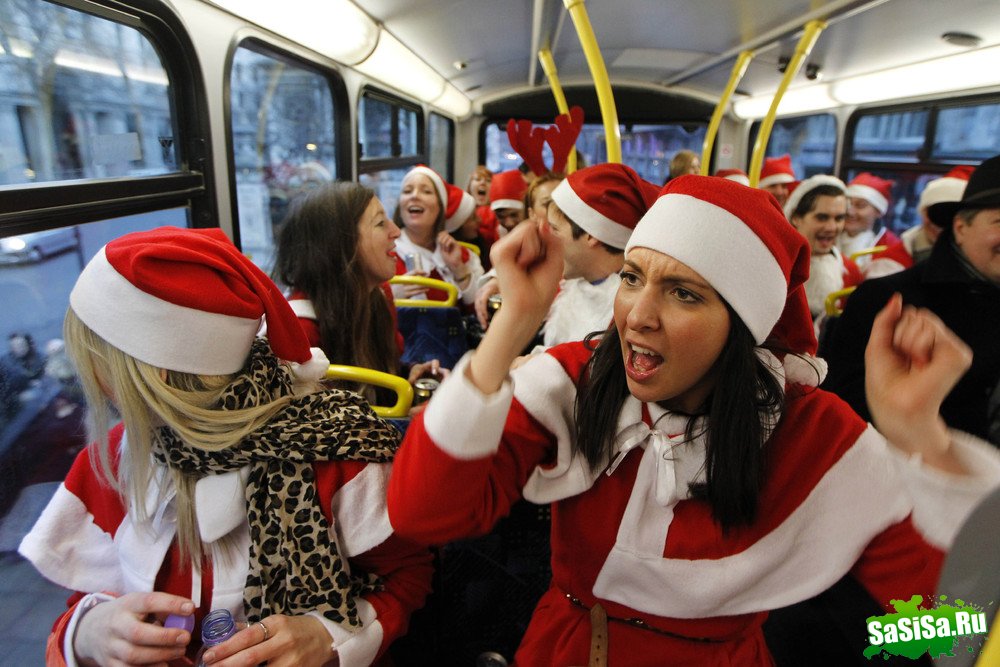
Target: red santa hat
x,y
736,175
187,300
605,200
507,190
948,188
737,239
439,183
459,208
874,190
776,170
802,188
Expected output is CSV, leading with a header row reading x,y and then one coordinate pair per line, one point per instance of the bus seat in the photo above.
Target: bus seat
x,y
431,329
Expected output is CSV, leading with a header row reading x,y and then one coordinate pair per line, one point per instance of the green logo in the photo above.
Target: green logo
x,y
914,630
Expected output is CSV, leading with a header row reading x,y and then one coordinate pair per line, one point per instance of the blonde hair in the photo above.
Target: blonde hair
x,y
146,398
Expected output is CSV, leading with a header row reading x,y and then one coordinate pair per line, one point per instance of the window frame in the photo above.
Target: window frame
x,y
396,161
839,141
341,121
925,162
451,143
39,206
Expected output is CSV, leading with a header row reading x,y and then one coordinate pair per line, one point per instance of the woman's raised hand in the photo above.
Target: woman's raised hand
x,y
529,264
120,633
912,362
451,251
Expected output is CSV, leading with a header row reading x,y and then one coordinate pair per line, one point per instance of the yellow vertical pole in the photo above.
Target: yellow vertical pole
x,y
739,69
549,67
990,655
599,72
802,49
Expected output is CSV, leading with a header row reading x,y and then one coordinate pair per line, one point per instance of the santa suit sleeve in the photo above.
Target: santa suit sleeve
x,y
357,511
464,462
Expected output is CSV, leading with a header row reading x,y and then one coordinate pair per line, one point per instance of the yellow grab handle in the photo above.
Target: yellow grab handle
x,y
549,67
990,655
802,49
431,283
472,247
404,392
602,84
739,69
832,309
867,251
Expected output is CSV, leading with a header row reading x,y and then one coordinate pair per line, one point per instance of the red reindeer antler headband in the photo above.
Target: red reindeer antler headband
x,y
529,141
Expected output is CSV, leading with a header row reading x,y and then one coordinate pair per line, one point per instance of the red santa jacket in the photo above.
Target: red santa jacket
x,y
86,542
837,498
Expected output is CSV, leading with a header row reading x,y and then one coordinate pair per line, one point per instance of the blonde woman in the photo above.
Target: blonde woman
x,y
230,483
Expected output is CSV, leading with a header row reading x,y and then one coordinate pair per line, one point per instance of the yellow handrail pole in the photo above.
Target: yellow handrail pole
x,y
802,49
990,656
599,72
739,69
549,67
402,388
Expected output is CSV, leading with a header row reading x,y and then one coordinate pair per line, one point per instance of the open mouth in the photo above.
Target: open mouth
x,y
481,192
642,362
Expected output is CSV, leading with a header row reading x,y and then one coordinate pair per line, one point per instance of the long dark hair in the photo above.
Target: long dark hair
x,y
318,255
746,396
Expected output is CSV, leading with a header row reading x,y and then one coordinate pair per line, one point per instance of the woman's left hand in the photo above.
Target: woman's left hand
x,y
912,362
451,251
290,641
430,368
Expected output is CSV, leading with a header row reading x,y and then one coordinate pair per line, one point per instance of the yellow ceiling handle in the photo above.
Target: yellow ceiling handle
x,y
549,67
404,392
832,308
430,283
739,69
802,50
605,98
867,251
471,247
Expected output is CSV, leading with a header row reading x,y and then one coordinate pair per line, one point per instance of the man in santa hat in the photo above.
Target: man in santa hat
x,y
916,243
817,208
776,175
868,200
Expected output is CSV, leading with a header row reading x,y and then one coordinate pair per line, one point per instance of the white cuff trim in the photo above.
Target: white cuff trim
x,y
86,603
464,422
359,647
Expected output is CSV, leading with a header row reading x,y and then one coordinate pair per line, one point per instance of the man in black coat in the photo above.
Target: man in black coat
x,y
960,283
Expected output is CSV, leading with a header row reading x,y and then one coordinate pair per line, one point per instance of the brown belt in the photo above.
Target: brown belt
x,y
634,622
598,636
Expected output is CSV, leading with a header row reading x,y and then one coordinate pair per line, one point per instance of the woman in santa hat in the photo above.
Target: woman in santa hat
x,y
697,477
426,246
231,483
336,252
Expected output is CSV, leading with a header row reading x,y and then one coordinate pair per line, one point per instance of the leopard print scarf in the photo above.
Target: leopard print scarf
x,y
294,565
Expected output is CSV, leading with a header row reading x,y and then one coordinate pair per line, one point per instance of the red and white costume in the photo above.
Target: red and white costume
x,y
829,273
899,256
580,307
87,541
306,313
432,262
837,498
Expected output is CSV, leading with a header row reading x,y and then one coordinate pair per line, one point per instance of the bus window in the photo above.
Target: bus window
x,y
915,144
390,143
80,97
967,134
645,148
810,140
440,139
283,120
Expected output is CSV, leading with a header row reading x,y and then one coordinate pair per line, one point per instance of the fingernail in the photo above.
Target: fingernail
x,y
209,657
182,639
187,607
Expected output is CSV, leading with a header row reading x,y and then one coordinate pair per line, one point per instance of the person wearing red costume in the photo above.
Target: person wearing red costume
x,y
233,481
696,479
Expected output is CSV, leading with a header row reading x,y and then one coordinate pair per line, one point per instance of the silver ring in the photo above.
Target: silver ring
x,y
267,635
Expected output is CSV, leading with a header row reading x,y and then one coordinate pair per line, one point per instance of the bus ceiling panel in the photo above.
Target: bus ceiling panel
x,y
486,49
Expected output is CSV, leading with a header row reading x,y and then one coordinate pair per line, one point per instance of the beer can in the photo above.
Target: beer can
x,y
423,389
493,305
